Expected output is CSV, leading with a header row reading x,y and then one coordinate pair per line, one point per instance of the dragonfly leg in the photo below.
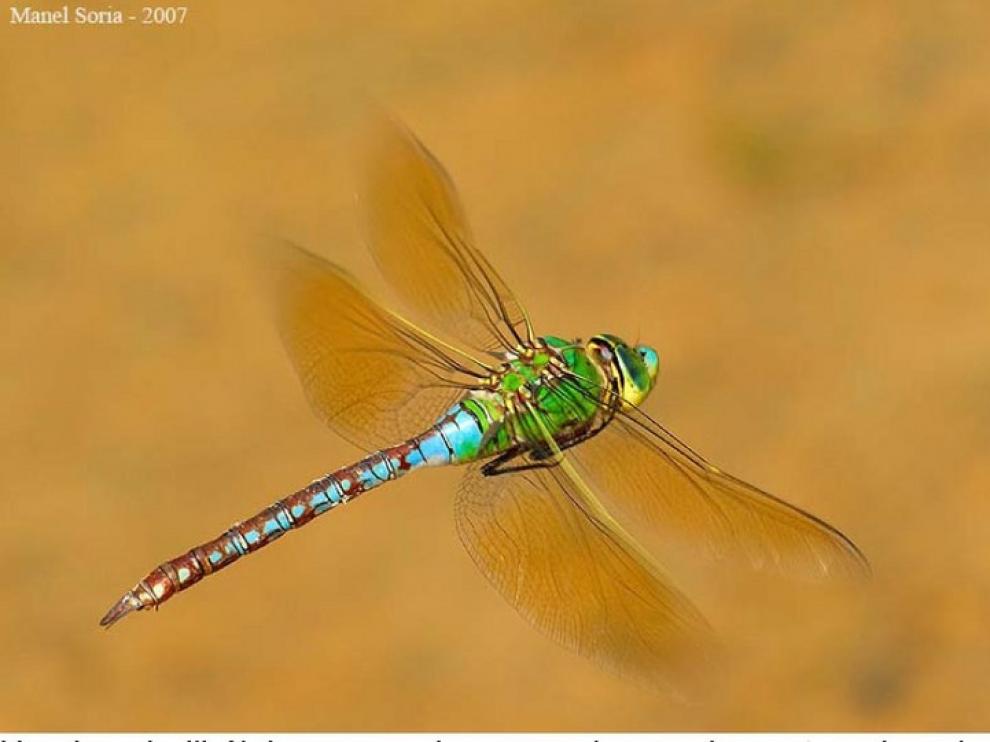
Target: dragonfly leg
x,y
497,466
536,456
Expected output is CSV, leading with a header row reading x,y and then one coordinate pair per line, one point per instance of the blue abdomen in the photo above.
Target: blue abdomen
x,y
455,438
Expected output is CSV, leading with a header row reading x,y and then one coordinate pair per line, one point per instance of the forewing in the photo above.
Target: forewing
x,y
579,578
421,241
647,472
373,377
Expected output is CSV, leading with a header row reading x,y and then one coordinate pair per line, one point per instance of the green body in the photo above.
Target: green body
x,y
555,389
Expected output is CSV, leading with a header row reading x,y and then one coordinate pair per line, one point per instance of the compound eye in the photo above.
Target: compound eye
x,y
650,359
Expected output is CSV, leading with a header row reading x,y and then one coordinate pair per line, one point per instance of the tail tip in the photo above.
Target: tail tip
x,y
128,603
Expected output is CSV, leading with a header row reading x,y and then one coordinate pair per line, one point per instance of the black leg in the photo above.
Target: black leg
x,y
539,456
498,466
536,457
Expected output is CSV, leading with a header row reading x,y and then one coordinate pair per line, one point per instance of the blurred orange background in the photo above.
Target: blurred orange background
x,y
790,201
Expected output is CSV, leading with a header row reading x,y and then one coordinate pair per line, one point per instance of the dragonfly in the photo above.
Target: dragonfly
x,y
559,455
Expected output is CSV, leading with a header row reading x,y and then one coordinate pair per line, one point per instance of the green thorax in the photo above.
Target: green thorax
x,y
553,388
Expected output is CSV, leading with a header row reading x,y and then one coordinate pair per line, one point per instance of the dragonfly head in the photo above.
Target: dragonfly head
x,y
634,368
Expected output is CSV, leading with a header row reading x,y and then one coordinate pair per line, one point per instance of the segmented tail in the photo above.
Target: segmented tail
x,y
287,514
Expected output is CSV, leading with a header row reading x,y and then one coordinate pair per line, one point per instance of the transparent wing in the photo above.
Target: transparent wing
x,y
647,472
373,377
556,555
421,241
